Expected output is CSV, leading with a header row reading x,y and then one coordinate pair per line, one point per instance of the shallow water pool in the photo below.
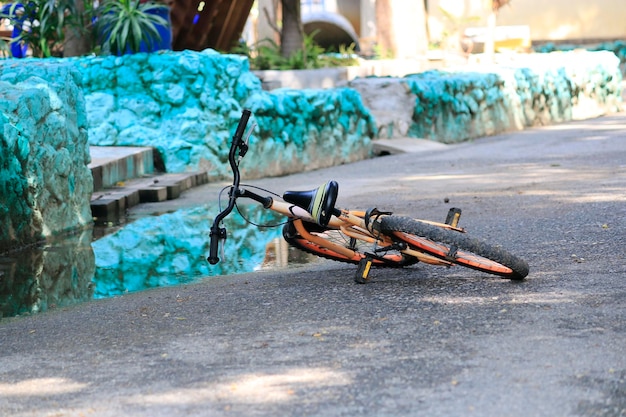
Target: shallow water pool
x,y
156,251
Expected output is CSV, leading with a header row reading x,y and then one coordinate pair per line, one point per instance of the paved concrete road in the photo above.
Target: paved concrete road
x,y
419,341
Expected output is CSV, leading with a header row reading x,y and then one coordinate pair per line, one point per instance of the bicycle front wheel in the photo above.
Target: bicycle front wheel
x,y
453,246
390,258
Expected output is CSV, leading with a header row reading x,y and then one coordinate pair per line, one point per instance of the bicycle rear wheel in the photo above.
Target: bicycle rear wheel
x,y
453,246
392,258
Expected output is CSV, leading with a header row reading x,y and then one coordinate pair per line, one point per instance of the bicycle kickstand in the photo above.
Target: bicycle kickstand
x,y
362,272
453,217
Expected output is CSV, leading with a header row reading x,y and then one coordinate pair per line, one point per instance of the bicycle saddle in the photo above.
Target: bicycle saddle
x,y
320,202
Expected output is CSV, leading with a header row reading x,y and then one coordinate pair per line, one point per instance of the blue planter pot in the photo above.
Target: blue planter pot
x,y
18,50
165,32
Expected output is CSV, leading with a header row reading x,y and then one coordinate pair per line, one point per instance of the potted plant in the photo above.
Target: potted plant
x,y
131,26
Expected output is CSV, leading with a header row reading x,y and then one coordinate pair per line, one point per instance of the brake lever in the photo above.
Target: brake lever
x,y
222,248
243,146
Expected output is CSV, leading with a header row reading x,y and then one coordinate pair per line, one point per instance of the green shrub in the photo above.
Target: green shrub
x,y
265,55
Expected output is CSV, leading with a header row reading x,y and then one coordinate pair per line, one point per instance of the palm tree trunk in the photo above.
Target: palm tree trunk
x,y
292,35
78,37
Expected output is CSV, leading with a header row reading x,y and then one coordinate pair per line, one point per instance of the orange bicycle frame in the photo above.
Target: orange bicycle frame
x,y
350,223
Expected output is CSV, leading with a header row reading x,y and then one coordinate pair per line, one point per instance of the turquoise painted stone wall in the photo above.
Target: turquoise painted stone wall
x,y
617,47
542,89
302,130
45,183
187,104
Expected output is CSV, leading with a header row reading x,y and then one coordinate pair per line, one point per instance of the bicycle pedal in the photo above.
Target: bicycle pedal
x,y
362,273
452,253
453,217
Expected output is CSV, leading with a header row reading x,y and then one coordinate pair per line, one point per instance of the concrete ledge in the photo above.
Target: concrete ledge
x,y
405,145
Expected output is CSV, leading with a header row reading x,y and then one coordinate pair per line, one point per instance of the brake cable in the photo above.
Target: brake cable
x,y
247,220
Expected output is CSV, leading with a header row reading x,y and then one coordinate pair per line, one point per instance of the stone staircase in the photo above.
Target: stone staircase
x,y
125,176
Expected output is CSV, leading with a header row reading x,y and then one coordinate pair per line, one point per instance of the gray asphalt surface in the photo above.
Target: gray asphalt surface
x,y
425,341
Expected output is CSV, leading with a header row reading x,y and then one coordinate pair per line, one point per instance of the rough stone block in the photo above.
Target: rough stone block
x,y
44,180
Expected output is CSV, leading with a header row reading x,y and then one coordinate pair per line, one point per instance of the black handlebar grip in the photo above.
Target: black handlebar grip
x,y
215,240
243,122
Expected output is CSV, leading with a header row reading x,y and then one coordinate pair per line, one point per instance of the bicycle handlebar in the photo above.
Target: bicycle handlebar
x,y
240,147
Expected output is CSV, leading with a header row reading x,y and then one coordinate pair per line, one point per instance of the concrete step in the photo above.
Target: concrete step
x,y
110,205
125,177
112,164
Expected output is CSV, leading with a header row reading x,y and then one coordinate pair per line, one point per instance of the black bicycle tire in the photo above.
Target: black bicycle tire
x,y
299,242
389,225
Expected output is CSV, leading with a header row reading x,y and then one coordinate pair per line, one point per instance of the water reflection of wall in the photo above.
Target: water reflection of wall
x,y
57,274
171,249
157,251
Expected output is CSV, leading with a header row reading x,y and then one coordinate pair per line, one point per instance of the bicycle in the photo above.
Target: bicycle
x,y
365,238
